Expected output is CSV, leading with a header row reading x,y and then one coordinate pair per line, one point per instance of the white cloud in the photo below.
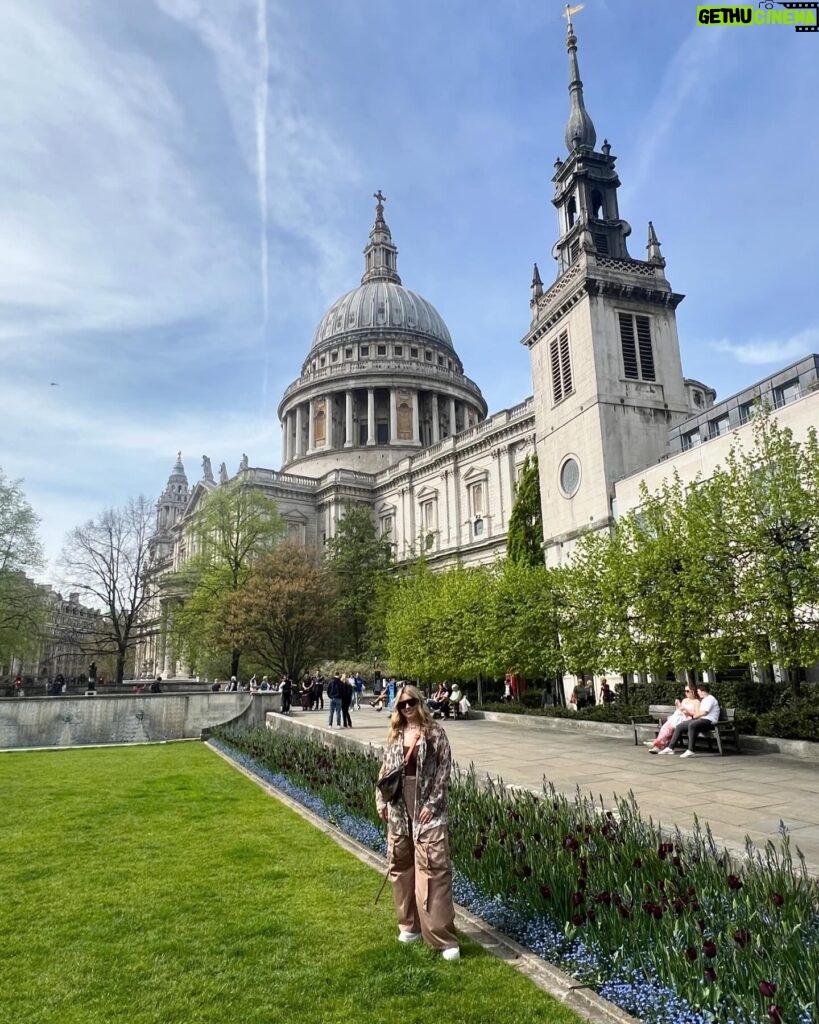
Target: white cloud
x,y
764,351
102,223
307,166
689,74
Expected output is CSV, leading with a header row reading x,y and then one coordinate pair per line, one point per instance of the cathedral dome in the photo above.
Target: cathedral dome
x,y
382,304
382,378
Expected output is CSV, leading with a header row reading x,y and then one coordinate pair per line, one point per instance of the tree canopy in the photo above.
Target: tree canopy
x,y
359,561
524,542
21,601
106,560
283,616
236,525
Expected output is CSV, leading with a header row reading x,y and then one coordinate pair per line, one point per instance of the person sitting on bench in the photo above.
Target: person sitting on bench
x,y
379,701
703,720
440,704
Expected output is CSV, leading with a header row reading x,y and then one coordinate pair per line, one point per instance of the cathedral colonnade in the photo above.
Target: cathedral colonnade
x,y
370,416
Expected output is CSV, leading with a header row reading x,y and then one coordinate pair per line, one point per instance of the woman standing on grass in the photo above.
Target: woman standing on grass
x,y
417,842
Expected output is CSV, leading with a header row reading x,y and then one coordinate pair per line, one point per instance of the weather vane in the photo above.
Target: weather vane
x,y
569,11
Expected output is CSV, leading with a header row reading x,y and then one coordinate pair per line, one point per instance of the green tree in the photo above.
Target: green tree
x,y
283,615
106,560
235,526
597,588
681,576
411,621
523,621
21,602
773,521
359,560
524,541
460,635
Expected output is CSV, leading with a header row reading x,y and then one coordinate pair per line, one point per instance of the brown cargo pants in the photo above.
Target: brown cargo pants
x,y
421,876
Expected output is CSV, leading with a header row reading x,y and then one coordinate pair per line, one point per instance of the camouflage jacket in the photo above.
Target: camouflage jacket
x,y
434,766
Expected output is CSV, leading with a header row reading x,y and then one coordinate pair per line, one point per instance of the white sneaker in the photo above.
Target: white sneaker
x,y
666,750
452,953
409,936
688,753
648,743
654,750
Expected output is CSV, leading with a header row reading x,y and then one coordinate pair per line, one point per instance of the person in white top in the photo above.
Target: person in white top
x,y
701,721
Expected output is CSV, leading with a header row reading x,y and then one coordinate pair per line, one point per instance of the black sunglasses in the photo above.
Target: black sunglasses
x,y
402,705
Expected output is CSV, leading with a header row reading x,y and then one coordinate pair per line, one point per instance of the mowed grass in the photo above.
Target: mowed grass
x,y
157,884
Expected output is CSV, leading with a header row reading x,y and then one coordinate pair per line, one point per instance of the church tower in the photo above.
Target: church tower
x,y
169,508
606,366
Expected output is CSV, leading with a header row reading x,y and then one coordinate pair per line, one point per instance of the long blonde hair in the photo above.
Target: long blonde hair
x,y
397,721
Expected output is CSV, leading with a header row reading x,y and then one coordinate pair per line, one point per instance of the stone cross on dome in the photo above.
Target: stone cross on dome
x,y
380,200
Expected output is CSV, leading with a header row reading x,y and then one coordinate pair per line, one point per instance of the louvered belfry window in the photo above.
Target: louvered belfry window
x,y
561,366
635,339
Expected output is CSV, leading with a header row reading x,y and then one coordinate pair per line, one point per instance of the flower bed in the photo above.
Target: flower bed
x,y
670,931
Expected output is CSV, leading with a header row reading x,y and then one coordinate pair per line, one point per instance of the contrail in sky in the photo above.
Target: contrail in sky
x,y
261,140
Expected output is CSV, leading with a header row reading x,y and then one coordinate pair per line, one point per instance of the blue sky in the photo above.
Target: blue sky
x,y
185,186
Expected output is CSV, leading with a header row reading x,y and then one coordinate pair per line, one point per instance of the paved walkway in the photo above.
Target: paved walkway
x,y
737,795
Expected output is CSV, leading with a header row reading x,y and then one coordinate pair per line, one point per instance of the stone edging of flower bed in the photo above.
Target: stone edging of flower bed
x,y
579,998
801,750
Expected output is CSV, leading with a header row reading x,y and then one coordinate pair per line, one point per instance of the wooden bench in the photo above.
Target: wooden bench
x,y
725,728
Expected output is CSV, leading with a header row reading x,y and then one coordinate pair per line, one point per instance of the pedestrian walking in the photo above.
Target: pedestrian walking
x,y
334,694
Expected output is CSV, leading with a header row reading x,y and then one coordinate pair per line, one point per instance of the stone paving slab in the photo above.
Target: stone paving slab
x,y
738,795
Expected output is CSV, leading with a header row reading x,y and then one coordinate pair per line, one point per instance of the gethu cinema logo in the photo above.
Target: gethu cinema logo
x,y
801,15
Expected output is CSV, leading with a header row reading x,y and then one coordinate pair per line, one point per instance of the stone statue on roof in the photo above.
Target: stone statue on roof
x,y
223,474
244,464
207,472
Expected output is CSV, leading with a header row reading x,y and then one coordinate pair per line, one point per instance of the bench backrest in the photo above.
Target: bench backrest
x,y
658,710
727,714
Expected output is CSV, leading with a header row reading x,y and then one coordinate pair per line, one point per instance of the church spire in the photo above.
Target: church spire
x,y
381,253
579,130
653,247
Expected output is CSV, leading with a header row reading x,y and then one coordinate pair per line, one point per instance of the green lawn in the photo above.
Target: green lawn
x,y
157,884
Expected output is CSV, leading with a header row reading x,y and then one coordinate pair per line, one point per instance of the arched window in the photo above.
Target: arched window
x,y
597,205
571,212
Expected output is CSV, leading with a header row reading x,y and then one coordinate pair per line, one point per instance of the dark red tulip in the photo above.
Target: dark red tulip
x,y
709,974
581,884
709,949
624,912
691,954
678,906
545,892
477,853
526,871
591,915
603,897
767,989
538,838
657,913
734,882
777,899
570,843
775,1013
578,919
577,899
637,863
741,937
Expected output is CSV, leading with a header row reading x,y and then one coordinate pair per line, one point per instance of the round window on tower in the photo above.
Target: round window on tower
x,y
569,476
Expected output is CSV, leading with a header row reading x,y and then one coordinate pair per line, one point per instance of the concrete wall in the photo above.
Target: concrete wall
x,y
148,718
